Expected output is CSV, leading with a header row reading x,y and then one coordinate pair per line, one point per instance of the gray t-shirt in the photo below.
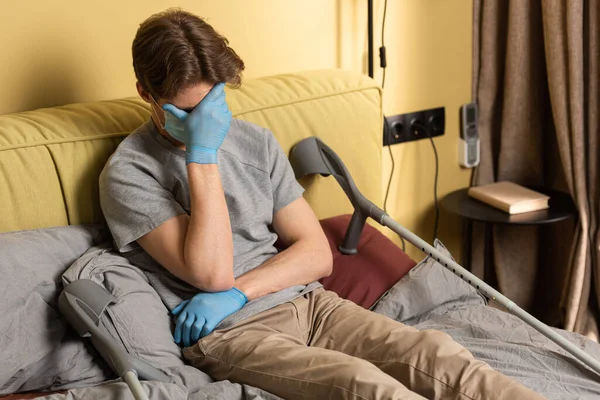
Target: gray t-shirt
x,y
144,184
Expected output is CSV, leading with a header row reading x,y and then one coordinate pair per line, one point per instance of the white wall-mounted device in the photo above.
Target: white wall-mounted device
x,y
468,147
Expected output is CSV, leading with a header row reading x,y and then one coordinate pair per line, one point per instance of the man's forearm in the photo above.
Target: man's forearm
x,y
208,244
302,263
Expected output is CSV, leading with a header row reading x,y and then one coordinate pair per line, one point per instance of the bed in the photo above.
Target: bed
x,y
53,232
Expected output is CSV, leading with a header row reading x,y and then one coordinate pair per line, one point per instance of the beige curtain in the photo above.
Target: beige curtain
x,y
535,78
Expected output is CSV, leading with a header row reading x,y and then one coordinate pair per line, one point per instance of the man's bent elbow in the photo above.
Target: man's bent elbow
x,y
326,262
212,282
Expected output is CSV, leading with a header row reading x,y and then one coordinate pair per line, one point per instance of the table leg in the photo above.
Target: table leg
x,y
468,247
489,270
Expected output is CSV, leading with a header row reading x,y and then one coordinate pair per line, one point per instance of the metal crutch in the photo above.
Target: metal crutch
x,y
82,302
311,156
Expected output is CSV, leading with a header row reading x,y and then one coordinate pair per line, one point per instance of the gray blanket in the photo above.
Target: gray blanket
x,y
39,351
431,297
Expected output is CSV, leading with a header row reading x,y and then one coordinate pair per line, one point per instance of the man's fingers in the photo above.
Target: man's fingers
x,y
179,114
208,328
197,329
180,307
179,327
226,116
187,330
215,92
220,99
226,111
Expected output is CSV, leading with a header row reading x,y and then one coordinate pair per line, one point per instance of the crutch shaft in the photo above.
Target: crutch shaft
x,y
491,293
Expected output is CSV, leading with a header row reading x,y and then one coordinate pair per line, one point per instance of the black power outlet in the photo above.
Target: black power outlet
x,y
397,128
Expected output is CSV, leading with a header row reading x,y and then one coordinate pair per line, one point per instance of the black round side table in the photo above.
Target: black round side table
x,y
459,203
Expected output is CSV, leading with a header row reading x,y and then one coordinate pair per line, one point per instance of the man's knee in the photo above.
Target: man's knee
x,y
436,345
436,339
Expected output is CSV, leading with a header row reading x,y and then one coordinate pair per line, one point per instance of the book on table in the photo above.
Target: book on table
x,y
510,197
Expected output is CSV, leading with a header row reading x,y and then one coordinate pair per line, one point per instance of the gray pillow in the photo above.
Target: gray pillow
x,y
427,286
35,341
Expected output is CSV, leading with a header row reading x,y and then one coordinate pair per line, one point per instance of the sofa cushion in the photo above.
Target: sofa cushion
x,y
51,158
366,276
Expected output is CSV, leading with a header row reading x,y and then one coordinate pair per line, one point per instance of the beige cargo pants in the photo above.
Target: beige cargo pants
x,y
322,347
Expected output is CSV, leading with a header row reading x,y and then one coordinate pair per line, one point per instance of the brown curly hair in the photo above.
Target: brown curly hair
x,y
174,50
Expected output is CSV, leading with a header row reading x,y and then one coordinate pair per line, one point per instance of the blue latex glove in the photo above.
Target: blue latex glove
x,y
198,316
204,128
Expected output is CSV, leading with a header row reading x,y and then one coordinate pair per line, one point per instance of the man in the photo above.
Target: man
x,y
199,199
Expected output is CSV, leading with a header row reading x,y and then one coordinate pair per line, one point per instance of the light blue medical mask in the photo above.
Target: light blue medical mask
x,y
173,125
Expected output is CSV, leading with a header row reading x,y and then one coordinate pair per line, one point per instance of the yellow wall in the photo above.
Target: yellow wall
x,y
65,51
429,60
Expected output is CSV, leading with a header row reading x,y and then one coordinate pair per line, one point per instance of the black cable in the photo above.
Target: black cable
x,y
387,190
383,23
387,126
370,34
383,64
382,57
418,126
389,184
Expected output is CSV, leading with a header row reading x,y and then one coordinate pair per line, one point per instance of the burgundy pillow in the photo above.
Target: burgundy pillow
x,y
363,277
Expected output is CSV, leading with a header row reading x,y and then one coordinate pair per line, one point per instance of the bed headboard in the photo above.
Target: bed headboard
x,y
50,158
